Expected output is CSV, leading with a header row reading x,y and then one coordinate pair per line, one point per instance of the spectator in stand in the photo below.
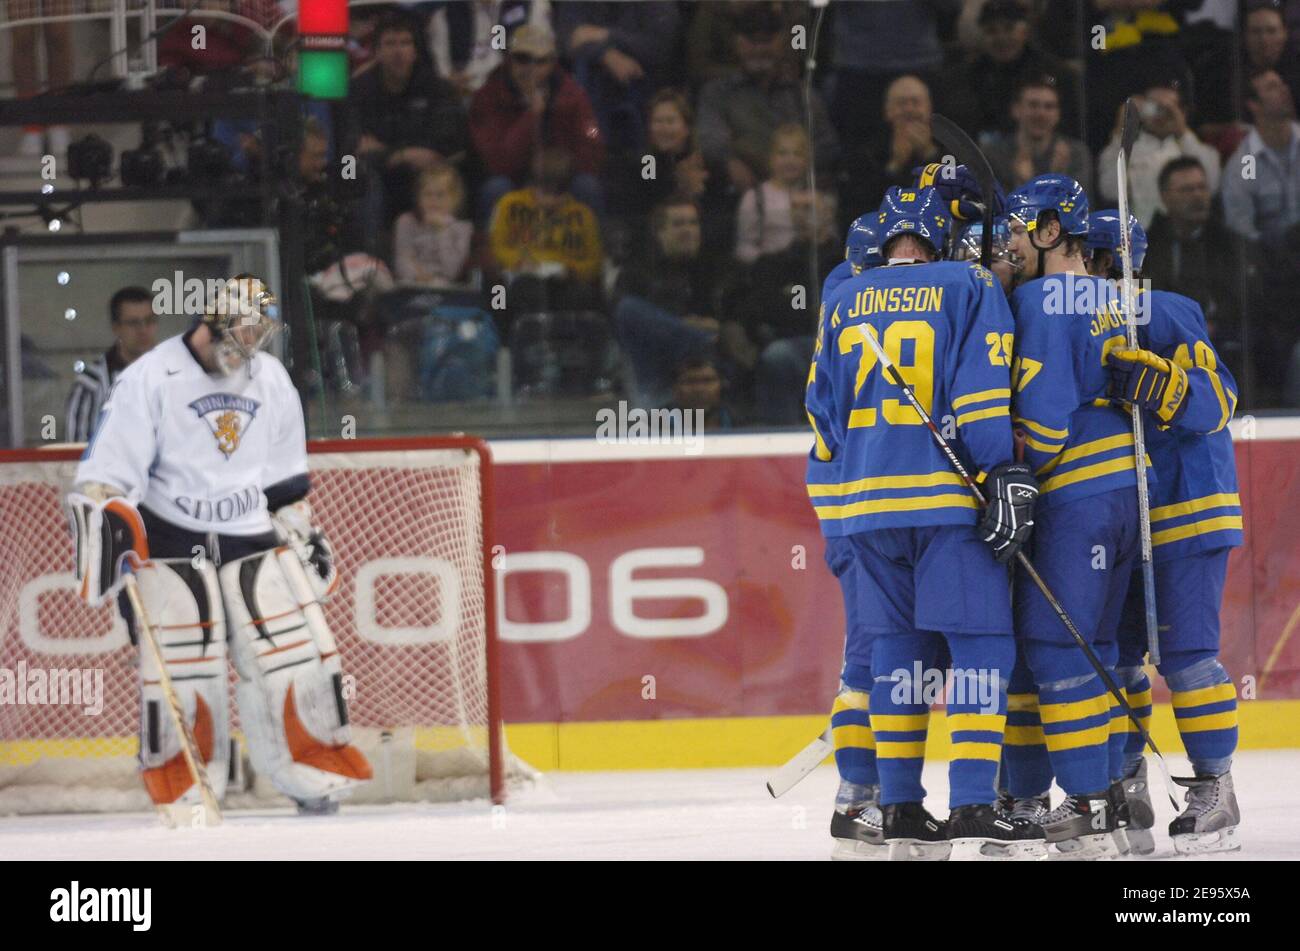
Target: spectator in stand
x,y
135,331
1265,41
620,54
738,114
711,35
1190,252
872,45
976,92
1037,145
403,118
666,302
1165,136
697,385
781,212
676,166
907,144
430,244
461,34
26,43
227,45
545,236
1266,204
529,103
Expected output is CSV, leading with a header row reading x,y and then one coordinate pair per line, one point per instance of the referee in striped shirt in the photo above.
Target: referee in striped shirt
x,y
135,327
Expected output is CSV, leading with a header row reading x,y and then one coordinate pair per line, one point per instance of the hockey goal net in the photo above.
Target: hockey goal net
x,y
409,521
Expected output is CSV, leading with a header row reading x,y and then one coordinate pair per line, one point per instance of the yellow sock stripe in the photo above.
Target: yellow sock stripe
x,y
890,750
1211,721
987,722
899,722
1024,736
1074,710
853,736
972,750
1182,699
1092,736
1021,702
1139,700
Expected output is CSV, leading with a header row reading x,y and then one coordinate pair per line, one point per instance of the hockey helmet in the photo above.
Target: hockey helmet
x,y
1052,192
1104,235
243,317
915,211
862,247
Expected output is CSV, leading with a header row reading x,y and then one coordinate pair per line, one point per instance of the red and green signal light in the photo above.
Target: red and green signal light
x,y
322,51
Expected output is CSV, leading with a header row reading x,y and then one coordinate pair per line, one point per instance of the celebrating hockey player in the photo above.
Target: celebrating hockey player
x,y
1189,397
1086,540
856,821
912,523
200,455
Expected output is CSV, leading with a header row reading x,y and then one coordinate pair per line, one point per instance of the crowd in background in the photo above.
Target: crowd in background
x,y
636,176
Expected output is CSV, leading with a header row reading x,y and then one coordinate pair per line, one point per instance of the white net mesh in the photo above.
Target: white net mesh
x,y
406,527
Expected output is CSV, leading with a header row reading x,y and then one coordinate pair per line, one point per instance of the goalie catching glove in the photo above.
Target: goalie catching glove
x,y
1008,518
296,529
106,530
1150,381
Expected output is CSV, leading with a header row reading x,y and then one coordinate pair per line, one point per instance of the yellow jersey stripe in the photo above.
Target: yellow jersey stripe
x,y
1221,500
1094,471
820,448
977,414
1217,384
1182,699
1204,527
911,504
980,397
1040,429
1090,448
924,481
1042,446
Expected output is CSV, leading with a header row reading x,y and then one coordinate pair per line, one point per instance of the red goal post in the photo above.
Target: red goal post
x,y
410,521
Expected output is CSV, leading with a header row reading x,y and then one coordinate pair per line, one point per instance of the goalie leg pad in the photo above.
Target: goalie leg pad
x,y
185,610
290,691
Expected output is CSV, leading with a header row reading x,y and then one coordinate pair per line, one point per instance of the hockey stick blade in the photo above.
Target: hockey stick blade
x,y
800,765
1131,129
963,148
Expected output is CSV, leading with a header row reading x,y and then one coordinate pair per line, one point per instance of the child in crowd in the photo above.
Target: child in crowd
x,y
430,244
781,211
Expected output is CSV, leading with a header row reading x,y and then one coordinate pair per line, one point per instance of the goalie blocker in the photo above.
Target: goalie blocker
x,y
253,593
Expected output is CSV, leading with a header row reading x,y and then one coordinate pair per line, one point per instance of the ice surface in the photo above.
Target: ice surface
x,y
689,814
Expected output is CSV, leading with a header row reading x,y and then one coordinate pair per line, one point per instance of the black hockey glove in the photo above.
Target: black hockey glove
x,y
1008,519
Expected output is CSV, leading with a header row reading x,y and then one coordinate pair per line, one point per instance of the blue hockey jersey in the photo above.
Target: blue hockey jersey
x,y
947,327
1194,502
1077,443
818,472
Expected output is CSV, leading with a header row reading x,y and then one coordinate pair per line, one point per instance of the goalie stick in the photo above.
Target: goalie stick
x,y
171,812
891,371
1129,136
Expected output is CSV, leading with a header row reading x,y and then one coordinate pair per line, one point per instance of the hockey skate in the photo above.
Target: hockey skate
x,y
1209,823
913,835
1033,808
988,834
1141,813
1081,829
1119,806
856,825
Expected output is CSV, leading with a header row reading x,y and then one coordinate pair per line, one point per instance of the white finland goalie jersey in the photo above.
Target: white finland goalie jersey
x,y
196,449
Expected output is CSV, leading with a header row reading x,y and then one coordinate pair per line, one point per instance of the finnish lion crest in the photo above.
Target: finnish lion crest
x,y
227,416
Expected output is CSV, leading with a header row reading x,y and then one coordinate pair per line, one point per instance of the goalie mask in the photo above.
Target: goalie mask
x,y
243,318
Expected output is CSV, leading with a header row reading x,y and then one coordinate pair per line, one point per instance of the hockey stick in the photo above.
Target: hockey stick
x,y
954,138
888,367
189,748
1130,134
800,765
